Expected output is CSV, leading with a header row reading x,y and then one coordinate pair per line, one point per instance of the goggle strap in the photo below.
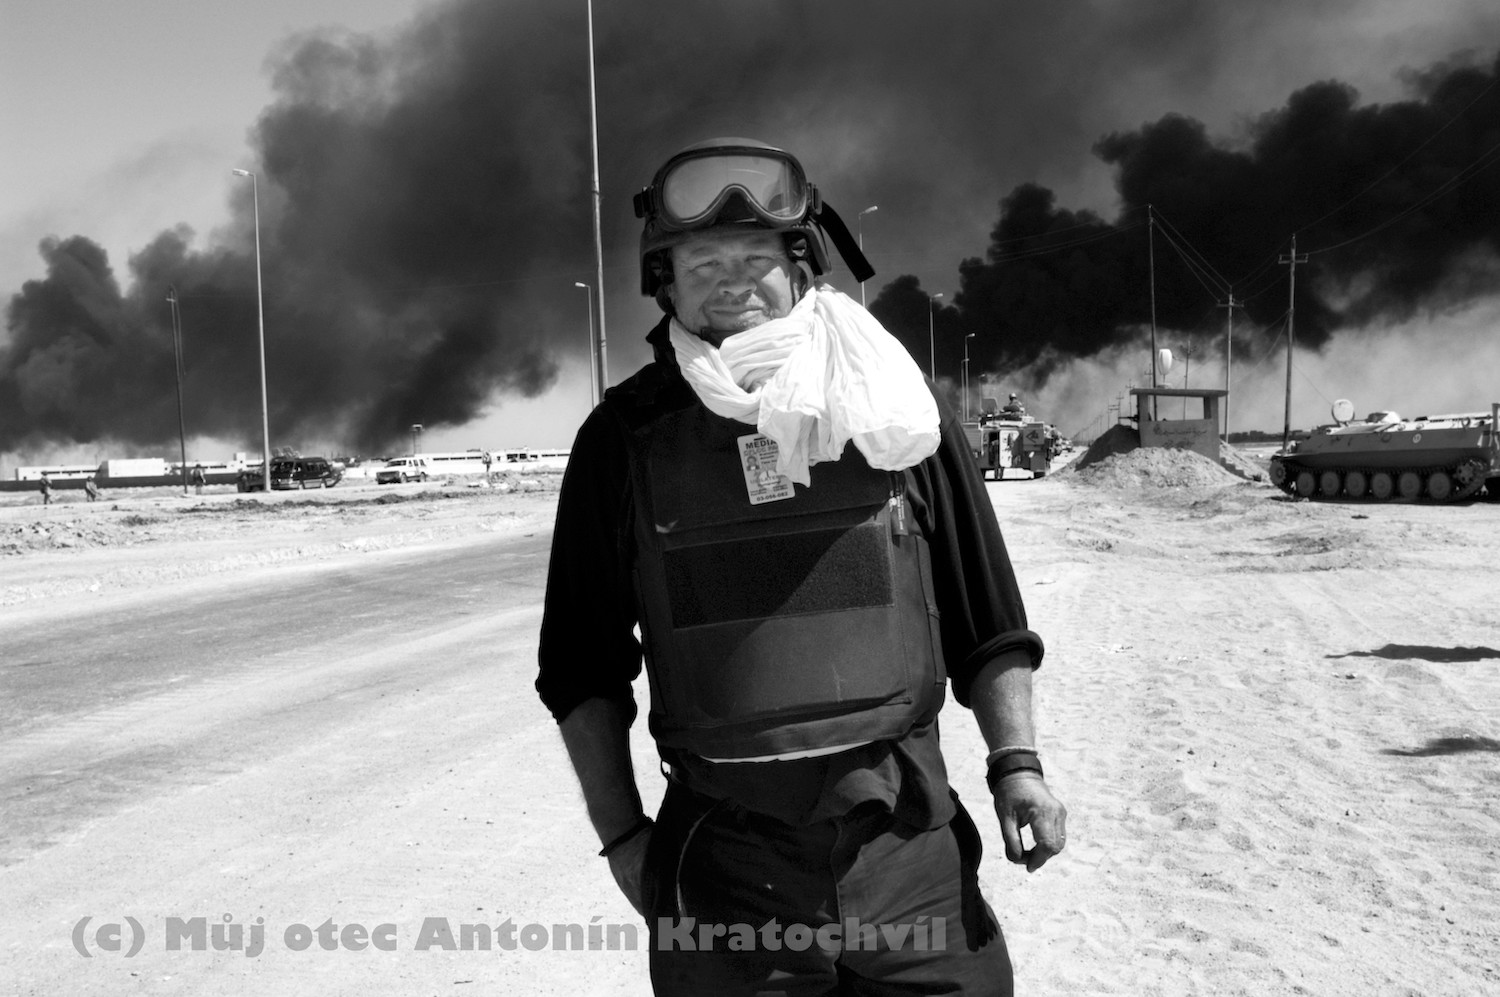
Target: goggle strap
x,y
829,221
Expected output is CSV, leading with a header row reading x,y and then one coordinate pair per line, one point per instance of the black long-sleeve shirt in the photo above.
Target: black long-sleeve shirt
x,y
588,647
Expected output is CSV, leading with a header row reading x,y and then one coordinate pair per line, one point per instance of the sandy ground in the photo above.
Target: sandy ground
x,y
136,538
1275,724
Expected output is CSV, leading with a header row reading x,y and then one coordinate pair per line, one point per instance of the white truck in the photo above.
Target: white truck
x,y
399,470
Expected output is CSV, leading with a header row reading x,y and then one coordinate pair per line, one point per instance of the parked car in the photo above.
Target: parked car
x,y
400,470
250,480
305,472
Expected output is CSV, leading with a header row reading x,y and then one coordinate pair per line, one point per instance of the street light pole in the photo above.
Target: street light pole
x,y
177,368
603,371
260,309
931,335
860,222
593,358
1231,304
967,337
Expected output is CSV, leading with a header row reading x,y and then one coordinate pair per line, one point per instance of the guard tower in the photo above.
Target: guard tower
x,y
1197,429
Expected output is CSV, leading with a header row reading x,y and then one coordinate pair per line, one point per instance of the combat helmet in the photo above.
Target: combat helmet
x,y
737,181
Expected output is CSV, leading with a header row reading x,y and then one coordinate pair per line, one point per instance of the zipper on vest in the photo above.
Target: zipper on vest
x,y
898,504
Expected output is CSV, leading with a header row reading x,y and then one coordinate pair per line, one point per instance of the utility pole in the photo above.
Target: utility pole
x,y
260,313
1228,354
1291,260
1151,250
932,335
177,352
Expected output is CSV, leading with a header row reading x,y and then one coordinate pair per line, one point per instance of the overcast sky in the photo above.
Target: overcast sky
x,y
123,120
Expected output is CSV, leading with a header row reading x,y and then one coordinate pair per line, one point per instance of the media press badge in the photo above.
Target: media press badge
x,y
758,457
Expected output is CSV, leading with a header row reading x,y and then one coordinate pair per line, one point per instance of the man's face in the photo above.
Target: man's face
x,y
726,281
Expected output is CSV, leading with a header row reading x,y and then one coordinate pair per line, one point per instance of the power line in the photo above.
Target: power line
x,y
1406,159
1265,267
1059,247
1195,268
1303,374
1485,159
1202,261
1481,162
1272,280
1265,357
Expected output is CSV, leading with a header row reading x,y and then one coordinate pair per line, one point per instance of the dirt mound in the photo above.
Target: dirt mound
x,y
1118,439
1117,459
1155,467
1252,464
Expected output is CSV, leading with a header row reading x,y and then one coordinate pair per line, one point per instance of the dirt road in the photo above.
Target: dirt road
x,y
1273,723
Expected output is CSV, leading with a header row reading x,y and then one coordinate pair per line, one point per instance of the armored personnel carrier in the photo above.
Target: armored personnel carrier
x,y
1007,437
1436,458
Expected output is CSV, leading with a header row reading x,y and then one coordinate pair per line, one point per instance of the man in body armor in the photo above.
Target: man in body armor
x,y
794,521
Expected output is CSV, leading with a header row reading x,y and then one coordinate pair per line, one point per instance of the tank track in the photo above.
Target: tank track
x,y
1429,483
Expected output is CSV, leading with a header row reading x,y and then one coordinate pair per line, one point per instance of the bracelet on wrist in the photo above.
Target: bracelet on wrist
x,y
1012,749
1016,761
641,823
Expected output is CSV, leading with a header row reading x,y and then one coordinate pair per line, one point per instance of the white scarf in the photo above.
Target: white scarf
x,y
826,373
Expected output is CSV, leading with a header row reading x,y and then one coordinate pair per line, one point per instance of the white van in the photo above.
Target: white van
x,y
399,470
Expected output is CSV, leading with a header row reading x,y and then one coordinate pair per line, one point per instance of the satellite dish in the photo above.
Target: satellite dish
x,y
1343,411
1164,360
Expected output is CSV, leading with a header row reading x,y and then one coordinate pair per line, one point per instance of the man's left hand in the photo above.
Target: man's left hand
x,y
1023,799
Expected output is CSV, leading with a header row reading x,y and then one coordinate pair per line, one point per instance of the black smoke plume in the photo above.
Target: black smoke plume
x,y
425,203
415,198
1396,206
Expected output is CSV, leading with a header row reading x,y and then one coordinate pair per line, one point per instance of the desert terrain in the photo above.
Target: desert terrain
x,y
1275,723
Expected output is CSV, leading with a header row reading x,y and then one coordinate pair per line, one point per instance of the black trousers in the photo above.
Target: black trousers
x,y
743,904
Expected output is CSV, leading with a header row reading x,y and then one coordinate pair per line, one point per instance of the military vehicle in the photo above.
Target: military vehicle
x,y
1436,458
1007,438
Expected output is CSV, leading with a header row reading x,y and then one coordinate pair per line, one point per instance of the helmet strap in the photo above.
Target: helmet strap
x,y
829,221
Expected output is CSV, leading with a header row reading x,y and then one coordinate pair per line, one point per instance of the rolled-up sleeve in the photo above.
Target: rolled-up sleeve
x,y
982,613
588,648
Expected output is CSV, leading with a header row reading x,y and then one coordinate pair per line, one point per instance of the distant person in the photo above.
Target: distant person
x,y
91,488
46,489
489,459
199,479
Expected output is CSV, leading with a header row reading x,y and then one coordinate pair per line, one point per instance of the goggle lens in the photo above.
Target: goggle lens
x,y
694,188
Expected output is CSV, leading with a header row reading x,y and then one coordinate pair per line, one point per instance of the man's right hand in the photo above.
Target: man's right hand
x,y
628,864
1022,799
597,735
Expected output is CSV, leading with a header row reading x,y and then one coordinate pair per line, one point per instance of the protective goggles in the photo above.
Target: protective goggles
x,y
694,186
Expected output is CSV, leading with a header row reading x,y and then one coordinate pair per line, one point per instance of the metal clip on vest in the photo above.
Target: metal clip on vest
x,y
898,505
